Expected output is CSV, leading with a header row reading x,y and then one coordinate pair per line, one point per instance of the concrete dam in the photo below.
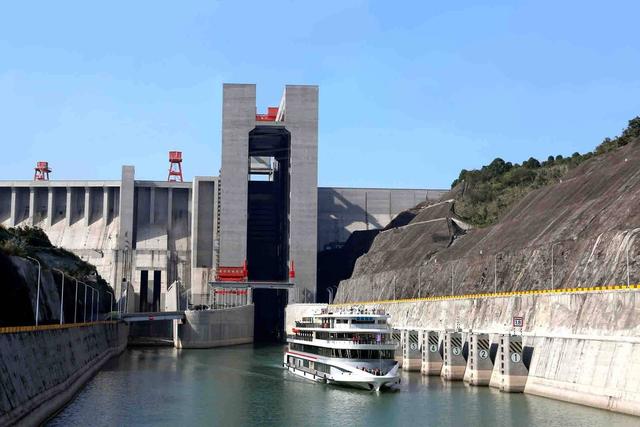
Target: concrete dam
x,y
264,211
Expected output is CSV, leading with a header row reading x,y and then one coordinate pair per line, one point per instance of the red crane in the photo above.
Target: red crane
x,y
175,166
41,171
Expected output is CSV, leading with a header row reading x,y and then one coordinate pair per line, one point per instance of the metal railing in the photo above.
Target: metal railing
x,y
296,337
217,298
94,314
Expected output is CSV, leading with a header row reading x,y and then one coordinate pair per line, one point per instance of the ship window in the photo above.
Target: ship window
x,y
321,367
362,321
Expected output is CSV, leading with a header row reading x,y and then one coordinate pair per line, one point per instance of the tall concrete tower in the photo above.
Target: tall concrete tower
x,y
269,192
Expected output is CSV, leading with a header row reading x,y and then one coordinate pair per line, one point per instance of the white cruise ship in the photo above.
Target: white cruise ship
x,y
348,347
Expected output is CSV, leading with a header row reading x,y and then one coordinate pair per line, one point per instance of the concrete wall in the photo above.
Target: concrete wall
x,y
341,211
585,343
301,119
215,328
80,216
238,119
151,232
204,232
40,371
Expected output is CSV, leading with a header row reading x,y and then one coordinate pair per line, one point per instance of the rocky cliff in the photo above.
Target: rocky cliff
x,y
574,233
20,277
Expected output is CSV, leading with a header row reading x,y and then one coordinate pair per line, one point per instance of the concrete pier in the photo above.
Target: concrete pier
x,y
479,364
398,337
509,373
431,357
411,354
454,365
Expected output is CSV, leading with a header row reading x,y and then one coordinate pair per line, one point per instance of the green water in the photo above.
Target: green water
x,y
246,385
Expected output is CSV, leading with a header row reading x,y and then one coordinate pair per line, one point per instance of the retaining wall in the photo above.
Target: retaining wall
x,y
41,370
586,344
214,328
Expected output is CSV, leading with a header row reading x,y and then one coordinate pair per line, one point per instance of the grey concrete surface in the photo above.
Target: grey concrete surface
x,y
215,328
341,210
479,365
41,371
411,350
301,119
509,373
431,358
453,363
238,119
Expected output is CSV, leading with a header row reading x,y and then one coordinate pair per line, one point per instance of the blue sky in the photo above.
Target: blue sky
x,y
410,92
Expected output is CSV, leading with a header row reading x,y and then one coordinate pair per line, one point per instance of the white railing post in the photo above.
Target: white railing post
x,y
75,304
62,294
38,291
92,297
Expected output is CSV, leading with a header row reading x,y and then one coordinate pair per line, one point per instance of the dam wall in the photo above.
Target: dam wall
x,y
585,343
341,211
152,233
42,369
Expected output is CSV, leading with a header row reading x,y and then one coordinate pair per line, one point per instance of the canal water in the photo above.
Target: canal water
x,y
246,385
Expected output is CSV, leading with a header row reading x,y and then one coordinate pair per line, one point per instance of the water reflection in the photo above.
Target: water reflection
x,y
246,385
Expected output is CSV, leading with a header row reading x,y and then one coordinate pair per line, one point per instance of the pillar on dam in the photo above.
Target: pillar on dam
x,y
431,356
32,206
397,336
50,208
509,372
411,356
126,241
453,365
479,365
13,216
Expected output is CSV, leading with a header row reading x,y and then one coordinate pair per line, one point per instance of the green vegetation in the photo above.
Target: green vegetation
x,y
486,193
17,241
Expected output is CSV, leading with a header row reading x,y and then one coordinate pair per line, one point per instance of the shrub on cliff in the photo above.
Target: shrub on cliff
x,y
34,242
491,190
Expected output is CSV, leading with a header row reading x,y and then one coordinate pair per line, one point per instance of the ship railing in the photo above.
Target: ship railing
x,y
359,342
298,337
312,325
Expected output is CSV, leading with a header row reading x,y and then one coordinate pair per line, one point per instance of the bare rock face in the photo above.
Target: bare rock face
x,y
576,233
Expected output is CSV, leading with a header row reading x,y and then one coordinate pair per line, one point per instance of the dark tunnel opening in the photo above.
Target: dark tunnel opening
x,y
268,226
